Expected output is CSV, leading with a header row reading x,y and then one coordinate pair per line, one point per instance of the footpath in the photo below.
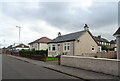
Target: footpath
x,y
79,73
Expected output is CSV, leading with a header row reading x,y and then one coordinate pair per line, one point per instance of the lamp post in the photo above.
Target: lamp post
x,y
19,32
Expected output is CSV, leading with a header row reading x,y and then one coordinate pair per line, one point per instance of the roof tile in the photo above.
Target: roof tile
x,y
41,40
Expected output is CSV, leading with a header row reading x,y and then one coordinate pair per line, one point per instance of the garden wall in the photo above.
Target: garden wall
x,y
108,66
109,55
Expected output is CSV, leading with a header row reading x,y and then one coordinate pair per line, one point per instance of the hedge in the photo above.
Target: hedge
x,y
107,48
33,52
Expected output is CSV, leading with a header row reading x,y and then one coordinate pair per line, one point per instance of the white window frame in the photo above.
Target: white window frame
x,y
53,45
67,45
35,46
105,43
49,46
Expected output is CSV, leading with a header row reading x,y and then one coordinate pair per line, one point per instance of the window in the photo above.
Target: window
x,y
49,47
105,43
66,46
35,46
93,48
102,43
53,47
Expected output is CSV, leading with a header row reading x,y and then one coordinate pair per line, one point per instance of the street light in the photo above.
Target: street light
x,y
19,32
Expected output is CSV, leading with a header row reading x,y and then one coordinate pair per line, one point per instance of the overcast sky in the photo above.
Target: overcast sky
x,y
38,19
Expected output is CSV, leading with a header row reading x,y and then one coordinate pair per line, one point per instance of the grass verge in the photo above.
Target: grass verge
x,y
51,59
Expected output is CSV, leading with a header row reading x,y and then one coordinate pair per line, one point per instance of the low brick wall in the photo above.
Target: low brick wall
x,y
108,66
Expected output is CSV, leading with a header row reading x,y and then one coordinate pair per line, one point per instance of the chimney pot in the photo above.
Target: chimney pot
x,y
86,27
59,34
99,36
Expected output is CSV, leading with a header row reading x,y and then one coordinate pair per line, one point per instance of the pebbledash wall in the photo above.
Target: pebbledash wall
x,y
108,66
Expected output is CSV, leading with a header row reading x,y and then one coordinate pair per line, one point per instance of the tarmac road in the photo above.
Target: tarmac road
x,y
16,69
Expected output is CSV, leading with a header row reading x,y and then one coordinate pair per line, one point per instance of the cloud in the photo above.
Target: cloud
x,y
47,18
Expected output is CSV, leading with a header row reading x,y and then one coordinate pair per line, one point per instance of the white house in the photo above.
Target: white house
x,y
21,46
39,44
72,44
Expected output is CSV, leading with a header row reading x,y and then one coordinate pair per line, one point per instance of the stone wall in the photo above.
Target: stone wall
x,y
108,66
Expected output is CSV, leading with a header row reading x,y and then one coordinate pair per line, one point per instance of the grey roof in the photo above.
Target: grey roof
x,y
117,32
67,37
101,39
113,41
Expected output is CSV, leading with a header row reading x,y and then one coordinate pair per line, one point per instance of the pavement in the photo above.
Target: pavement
x,y
75,72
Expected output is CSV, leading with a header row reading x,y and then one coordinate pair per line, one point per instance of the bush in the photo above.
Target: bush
x,y
107,48
33,52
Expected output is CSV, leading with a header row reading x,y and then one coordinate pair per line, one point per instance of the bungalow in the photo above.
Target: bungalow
x,y
102,41
21,46
76,43
39,44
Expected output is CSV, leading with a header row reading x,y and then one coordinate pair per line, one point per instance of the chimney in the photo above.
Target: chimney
x,y
99,36
86,28
59,34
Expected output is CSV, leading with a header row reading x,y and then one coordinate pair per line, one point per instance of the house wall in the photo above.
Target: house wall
x,y
34,46
39,46
67,52
108,66
113,45
50,52
43,46
61,49
85,44
21,48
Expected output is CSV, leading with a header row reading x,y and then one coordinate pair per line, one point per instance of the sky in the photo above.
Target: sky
x,y
46,18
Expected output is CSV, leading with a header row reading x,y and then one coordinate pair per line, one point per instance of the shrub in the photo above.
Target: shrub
x,y
32,52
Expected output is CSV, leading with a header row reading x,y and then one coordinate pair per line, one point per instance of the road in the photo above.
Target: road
x,y
17,69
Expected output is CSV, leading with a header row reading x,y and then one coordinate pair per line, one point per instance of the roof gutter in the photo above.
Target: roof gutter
x,y
61,41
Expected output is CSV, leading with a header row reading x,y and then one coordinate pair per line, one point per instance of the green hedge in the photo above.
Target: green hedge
x,y
33,52
107,48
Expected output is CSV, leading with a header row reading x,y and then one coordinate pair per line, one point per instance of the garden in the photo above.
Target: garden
x,y
41,55
34,54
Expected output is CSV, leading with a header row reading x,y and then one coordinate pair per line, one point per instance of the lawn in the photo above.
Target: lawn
x,y
51,58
